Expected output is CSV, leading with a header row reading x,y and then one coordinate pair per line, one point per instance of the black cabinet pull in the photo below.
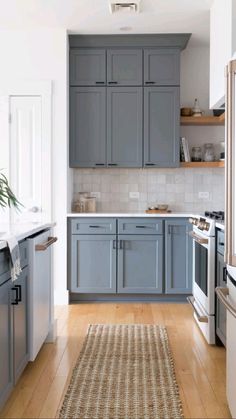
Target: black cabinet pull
x,y
149,164
15,302
141,227
99,164
100,82
225,274
112,164
94,226
113,82
149,82
221,244
19,297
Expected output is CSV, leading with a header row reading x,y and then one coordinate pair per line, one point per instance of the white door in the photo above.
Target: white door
x,y
26,156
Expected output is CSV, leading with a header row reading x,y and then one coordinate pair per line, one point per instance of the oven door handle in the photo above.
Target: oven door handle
x,y
222,293
201,319
197,238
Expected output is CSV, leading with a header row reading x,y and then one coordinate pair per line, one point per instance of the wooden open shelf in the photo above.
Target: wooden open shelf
x,y
203,120
208,165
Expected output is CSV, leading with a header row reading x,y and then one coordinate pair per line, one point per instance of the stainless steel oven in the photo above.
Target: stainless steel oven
x,y
203,299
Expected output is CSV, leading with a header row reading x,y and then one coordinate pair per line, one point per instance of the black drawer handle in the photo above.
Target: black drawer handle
x,y
221,244
19,297
15,301
99,164
149,82
149,164
95,226
100,82
113,82
141,226
112,164
225,274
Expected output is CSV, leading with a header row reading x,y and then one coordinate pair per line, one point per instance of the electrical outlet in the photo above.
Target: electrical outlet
x,y
203,195
96,195
134,195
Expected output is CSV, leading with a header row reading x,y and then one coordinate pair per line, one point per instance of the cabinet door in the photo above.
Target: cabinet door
x,y
20,326
87,67
6,373
124,67
140,264
161,126
178,257
162,67
124,126
220,309
93,264
87,126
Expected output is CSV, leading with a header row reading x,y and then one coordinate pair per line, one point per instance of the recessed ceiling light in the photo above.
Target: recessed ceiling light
x,y
124,6
126,28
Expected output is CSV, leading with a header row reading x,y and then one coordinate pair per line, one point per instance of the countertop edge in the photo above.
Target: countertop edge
x,y
128,215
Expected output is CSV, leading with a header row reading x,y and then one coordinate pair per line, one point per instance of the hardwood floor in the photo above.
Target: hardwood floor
x,y
200,368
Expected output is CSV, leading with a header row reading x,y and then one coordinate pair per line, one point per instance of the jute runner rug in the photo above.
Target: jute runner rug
x,y
123,371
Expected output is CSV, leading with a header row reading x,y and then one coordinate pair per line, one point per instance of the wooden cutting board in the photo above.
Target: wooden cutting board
x,y
157,211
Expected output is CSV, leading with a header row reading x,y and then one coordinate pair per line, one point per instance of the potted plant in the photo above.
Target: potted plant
x,y
7,197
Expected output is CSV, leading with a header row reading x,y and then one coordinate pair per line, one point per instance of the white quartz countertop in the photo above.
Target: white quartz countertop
x,y
130,214
20,231
220,225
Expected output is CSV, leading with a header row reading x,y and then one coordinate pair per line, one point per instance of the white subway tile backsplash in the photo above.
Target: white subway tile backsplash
x,y
179,188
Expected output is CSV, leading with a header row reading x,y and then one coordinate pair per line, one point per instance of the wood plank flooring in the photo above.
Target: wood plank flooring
x,y
200,368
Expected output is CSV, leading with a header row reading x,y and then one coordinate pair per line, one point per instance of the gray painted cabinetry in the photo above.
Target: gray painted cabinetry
x,y
13,323
178,257
126,256
107,116
221,280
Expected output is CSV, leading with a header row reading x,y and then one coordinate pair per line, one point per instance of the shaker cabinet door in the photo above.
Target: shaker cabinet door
x,y
6,372
161,126
93,263
124,67
124,126
20,325
162,67
178,257
87,67
140,268
87,126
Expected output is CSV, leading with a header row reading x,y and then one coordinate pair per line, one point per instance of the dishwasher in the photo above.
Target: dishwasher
x,y
40,290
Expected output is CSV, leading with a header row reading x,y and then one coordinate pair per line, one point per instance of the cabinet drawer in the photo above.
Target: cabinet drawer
x,y
23,253
93,226
220,242
4,265
140,226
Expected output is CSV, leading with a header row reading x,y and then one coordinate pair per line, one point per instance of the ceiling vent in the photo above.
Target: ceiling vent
x,y
124,6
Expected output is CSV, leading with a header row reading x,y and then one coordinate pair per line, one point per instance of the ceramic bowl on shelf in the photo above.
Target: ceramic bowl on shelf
x,y
163,207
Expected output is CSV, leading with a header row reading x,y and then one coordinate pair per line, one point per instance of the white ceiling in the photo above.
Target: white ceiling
x,y
93,16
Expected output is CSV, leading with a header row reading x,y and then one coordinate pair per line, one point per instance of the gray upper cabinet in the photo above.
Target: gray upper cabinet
x,y
124,126
162,66
161,126
87,126
20,332
93,263
6,371
178,257
140,264
124,67
87,67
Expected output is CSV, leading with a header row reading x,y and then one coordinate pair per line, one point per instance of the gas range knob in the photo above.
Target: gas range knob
x,y
193,221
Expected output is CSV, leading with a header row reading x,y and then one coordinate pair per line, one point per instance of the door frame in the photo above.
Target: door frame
x,y
30,88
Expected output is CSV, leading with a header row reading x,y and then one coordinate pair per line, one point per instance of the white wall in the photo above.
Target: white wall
x,y
41,54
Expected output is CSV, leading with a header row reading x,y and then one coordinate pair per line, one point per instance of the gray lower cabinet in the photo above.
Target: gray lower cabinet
x,y
124,67
220,309
178,257
20,332
162,66
124,126
87,126
161,126
93,263
6,366
140,269
87,66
